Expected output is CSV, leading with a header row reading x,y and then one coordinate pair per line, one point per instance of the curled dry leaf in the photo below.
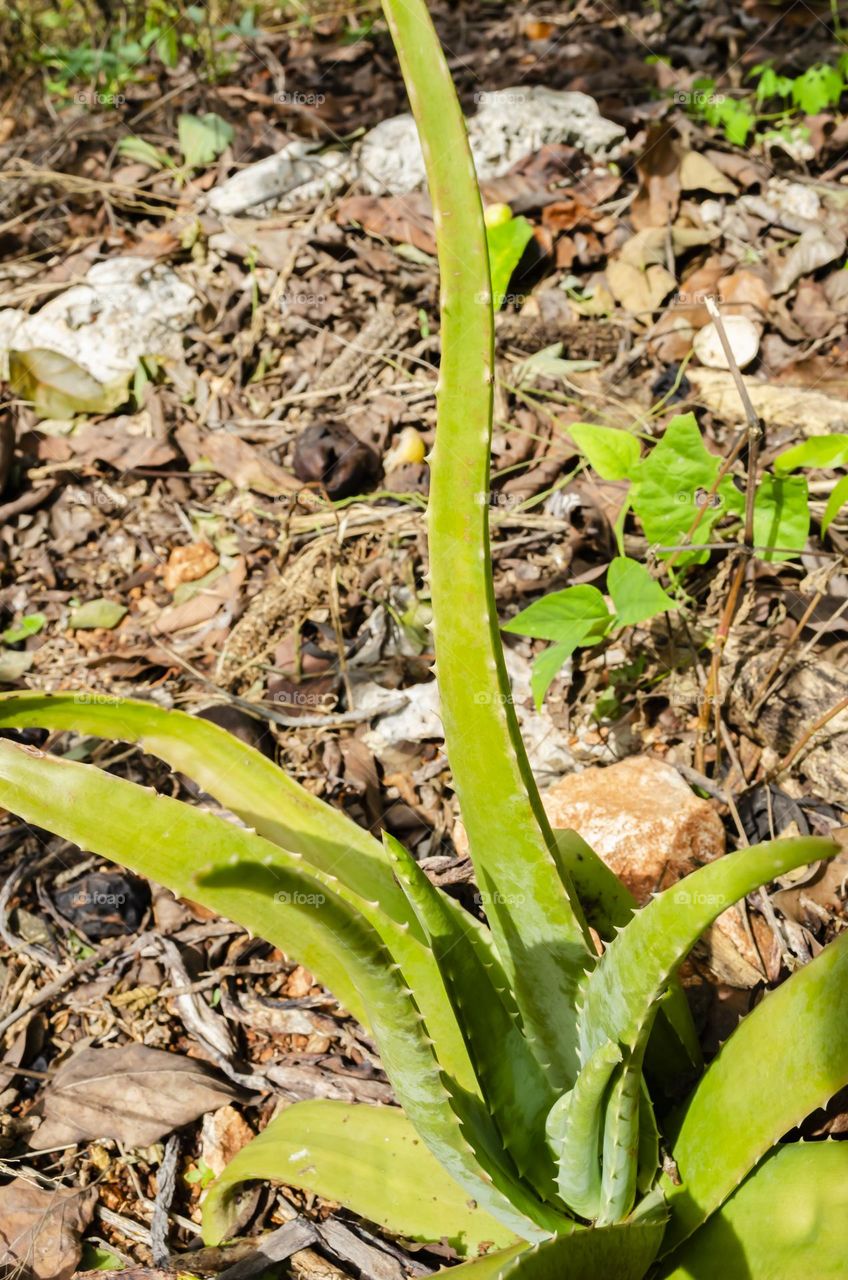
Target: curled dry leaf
x,y
133,1094
40,1229
658,196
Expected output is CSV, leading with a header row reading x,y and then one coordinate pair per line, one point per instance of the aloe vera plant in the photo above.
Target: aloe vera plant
x,y
522,1058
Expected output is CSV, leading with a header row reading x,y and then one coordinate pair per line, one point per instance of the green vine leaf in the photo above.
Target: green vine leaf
x,y
507,241
817,451
614,454
672,485
636,595
781,516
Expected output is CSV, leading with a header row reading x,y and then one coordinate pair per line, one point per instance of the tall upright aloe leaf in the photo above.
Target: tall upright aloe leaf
x,y
534,916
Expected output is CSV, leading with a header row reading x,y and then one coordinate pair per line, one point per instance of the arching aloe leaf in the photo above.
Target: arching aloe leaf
x,y
283,812
622,993
623,1252
785,1222
369,1159
574,1132
537,925
457,1128
608,904
238,776
514,1087
258,884
786,1059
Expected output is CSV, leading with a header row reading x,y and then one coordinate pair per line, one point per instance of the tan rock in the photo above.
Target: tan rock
x,y
641,817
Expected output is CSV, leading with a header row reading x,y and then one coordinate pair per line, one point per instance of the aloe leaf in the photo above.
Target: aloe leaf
x,y
740,1109
283,812
248,879
622,1252
574,1127
621,1142
513,1084
456,1128
237,775
623,991
369,1159
785,1222
537,926
673,1047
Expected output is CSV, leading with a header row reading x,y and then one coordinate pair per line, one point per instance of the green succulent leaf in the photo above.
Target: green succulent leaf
x,y
636,595
786,1221
544,946
623,991
738,1110
574,1127
613,453
623,1252
310,916
514,1087
238,776
781,516
673,1049
369,1159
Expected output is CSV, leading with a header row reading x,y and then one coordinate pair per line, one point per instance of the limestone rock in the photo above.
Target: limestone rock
x,y
641,817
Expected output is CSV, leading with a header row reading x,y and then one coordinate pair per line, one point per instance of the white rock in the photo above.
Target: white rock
x,y
742,336
296,175
508,125
127,308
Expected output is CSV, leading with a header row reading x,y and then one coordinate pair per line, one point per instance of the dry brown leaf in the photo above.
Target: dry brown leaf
x,y
639,292
744,293
40,1230
203,606
816,248
656,202
133,1094
236,460
697,173
403,219
808,413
